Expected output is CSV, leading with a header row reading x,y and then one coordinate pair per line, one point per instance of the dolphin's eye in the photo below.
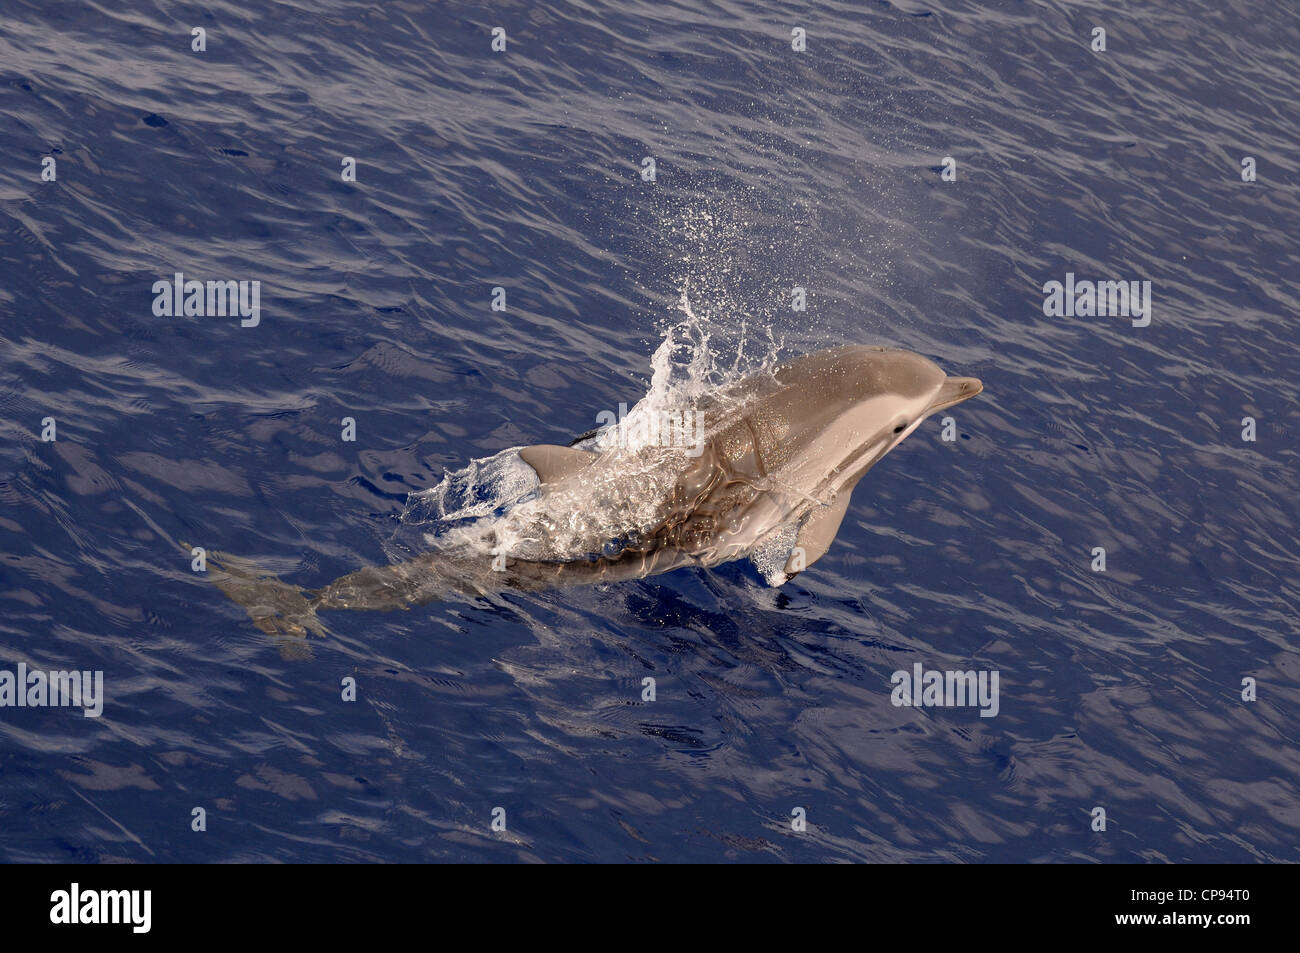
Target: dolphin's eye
x,y
901,427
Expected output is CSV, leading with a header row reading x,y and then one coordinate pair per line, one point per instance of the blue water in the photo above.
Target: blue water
x,y
774,168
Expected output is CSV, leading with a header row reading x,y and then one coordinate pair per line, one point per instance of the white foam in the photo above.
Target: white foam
x,y
491,504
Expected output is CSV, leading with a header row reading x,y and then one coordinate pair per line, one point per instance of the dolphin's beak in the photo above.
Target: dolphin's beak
x,y
954,391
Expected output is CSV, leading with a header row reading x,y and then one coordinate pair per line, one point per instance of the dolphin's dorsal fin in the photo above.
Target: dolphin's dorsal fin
x,y
817,533
554,463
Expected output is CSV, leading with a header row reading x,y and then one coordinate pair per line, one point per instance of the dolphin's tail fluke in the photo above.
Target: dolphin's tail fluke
x,y
278,609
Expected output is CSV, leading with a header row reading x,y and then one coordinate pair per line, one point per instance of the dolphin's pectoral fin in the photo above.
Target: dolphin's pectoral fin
x,y
817,533
553,463
770,555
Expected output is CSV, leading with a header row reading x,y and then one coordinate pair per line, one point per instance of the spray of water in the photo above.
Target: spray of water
x,y
723,328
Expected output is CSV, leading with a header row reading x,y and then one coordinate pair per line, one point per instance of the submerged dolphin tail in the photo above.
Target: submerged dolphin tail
x,y
287,612
278,609
396,586
444,574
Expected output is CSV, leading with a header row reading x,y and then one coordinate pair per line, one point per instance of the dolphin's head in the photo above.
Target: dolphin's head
x,y
853,405
888,393
892,390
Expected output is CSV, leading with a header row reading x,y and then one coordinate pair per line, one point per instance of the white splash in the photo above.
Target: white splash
x,y
492,505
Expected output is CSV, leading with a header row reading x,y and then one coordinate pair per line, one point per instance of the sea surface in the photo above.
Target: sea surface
x,y
774,169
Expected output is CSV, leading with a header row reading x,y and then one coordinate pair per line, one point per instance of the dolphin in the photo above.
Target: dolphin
x,y
769,476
